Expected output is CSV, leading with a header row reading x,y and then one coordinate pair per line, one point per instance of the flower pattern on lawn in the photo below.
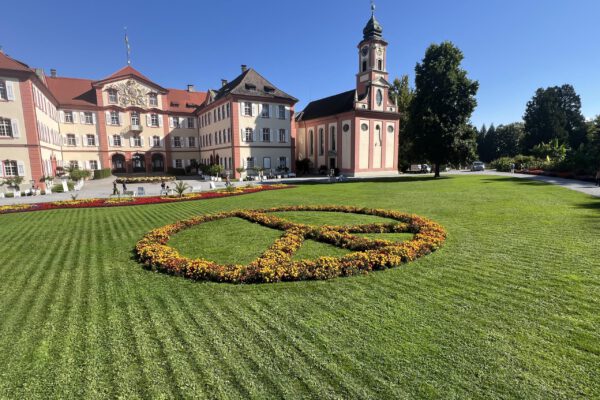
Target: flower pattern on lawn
x,y
276,263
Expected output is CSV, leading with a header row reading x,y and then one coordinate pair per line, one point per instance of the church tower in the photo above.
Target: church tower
x,y
372,83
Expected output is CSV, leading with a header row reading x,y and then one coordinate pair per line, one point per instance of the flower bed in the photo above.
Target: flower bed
x,y
276,263
134,201
145,179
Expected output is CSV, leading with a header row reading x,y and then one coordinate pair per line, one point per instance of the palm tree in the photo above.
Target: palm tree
x,y
181,187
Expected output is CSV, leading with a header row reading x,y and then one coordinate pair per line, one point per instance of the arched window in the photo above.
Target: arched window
x,y
364,65
311,148
379,97
380,64
321,142
332,138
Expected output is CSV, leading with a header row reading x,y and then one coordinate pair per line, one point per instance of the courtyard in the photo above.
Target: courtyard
x,y
505,308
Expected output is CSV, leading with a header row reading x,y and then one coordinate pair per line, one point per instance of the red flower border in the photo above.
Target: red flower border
x,y
133,201
276,263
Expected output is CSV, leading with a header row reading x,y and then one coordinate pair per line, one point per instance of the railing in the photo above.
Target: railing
x,y
135,128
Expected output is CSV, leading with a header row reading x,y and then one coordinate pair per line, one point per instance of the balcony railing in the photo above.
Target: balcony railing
x,y
135,128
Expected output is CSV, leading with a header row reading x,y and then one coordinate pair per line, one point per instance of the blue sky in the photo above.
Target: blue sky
x,y
308,48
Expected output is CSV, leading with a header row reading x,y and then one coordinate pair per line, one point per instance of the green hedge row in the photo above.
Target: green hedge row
x,y
102,173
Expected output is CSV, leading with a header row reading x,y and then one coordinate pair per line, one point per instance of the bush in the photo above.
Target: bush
x,y
502,164
102,173
9,194
58,188
77,174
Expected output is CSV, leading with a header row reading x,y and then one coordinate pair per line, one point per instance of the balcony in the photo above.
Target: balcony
x,y
135,128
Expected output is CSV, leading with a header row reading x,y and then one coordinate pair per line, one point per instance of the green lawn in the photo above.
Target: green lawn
x,y
508,308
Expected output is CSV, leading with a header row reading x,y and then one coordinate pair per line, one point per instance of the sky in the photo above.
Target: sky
x,y
308,48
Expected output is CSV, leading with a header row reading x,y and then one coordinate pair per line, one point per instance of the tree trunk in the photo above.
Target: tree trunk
x,y
437,170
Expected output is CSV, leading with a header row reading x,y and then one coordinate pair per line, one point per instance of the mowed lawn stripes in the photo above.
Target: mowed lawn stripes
x,y
508,308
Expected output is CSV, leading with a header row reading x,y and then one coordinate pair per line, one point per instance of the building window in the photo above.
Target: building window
x,y
380,65
178,163
135,118
154,119
281,112
332,138
71,141
153,99
282,162
3,92
191,122
379,97
321,142
267,162
192,141
10,168
266,135
364,65
5,127
93,164
89,118
227,108
137,141
249,163
176,123
176,141
117,140
282,136
311,148
248,133
265,111
248,109
91,140
112,96
74,164
114,118
69,117
155,141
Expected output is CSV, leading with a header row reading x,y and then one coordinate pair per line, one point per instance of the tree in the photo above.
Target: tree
x,y
443,102
402,94
507,140
554,113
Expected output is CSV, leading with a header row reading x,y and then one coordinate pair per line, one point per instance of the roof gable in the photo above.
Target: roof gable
x,y
129,72
251,83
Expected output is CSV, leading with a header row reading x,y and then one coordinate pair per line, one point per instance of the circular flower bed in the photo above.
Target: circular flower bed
x,y
276,263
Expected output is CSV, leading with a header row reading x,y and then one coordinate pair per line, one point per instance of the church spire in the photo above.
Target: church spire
x,y
373,29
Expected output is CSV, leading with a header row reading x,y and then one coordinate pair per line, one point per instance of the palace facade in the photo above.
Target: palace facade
x,y
129,123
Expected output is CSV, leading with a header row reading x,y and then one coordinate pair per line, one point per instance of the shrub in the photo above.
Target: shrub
x,y
102,173
77,174
58,188
502,164
9,194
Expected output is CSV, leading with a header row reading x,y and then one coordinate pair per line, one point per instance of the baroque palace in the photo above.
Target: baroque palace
x,y
128,123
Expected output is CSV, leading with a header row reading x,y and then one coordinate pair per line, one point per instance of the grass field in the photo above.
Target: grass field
x,y
508,308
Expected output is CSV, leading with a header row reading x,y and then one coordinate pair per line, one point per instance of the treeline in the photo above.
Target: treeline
x,y
553,136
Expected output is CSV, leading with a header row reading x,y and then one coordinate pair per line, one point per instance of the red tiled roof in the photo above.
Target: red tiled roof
x,y
7,62
184,98
72,91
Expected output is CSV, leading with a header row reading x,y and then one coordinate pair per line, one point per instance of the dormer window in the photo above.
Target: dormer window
x,y
153,99
250,87
112,96
269,89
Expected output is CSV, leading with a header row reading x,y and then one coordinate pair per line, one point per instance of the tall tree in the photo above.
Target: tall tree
x,y
554,113
508,140
402,94
442,105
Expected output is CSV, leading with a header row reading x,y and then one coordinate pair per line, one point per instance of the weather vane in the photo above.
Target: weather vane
x,y
372,7
127,48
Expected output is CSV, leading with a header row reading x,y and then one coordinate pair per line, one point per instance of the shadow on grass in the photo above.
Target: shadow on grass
x,y
521,181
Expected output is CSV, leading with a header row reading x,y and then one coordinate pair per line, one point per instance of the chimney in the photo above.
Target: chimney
x,y
53,72
223,82
244,68
190,88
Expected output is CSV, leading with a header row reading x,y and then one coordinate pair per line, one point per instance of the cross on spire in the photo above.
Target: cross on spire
x,y
372,7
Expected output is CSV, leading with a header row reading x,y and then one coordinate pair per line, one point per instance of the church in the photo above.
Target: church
x,y
354,132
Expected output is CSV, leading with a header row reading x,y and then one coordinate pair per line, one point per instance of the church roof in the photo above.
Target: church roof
x,y
331,105
251,83
373,29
